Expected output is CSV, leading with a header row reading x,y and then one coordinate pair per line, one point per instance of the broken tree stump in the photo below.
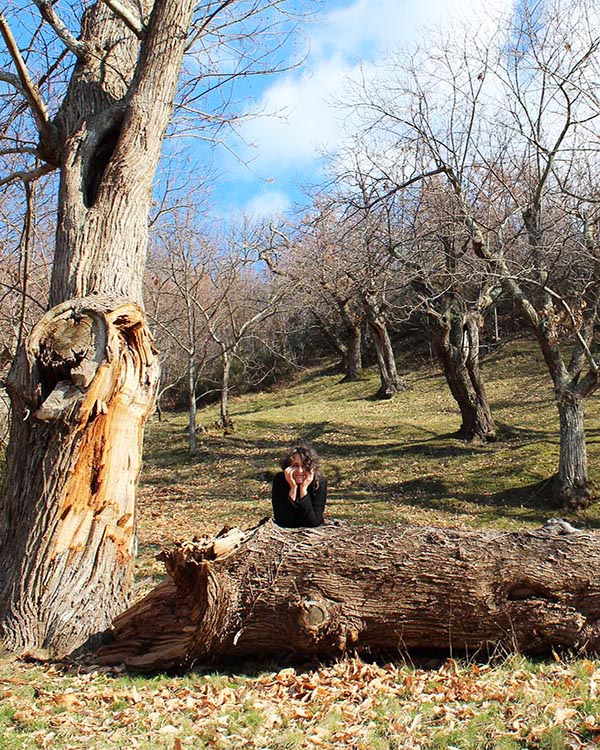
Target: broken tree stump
x,y
272,591
81,386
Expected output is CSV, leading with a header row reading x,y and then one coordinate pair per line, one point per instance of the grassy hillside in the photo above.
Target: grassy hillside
x,y
387,462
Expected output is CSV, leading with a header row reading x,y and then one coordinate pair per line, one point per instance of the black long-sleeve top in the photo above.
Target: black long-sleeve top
x,y
306,511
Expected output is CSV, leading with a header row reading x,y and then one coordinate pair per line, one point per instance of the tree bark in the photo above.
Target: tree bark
x,y
270,591
81,391
457,344
573,488
353,358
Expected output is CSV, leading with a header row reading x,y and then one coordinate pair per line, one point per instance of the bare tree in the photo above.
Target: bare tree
x,y
370,236
308,256
175,290
92,98
338,260
455,295
237,299
512,127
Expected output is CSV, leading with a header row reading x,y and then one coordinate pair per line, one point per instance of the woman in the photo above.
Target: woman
x,y
299,492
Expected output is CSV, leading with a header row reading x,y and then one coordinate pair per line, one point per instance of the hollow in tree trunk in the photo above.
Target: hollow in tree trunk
x,y
457,344
271,591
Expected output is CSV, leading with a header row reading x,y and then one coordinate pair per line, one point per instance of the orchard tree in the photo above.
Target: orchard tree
x,y
511,125
237,297
308,256
455,295
88,91
338,261
369,239
174,291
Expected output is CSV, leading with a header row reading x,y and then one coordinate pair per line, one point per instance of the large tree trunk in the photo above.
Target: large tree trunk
x,y
573,488
111,127
80,396
353,358
391,382
457,344
272,591
81,390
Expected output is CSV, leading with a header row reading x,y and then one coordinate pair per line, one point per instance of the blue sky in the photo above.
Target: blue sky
x,y
284,149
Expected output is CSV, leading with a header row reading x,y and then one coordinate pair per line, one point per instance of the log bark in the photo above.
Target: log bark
x,y
271,591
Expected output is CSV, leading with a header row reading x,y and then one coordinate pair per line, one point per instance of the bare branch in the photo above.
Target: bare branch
x,y
133,23
28,87
206,21
10,78
34,174
22,150
590,357
78,48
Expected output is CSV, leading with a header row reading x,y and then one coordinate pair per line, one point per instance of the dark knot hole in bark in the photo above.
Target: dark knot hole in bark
x,y
524,591
98,162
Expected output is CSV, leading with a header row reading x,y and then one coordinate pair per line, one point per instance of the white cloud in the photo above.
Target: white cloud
x,y
306,120
267,203
347,42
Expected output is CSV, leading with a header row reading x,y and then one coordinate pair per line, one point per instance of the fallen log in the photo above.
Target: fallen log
x,y
273,591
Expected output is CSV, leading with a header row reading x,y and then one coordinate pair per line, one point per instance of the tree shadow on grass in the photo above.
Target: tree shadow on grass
x,y
507,433
440,446
532,501
449,444
431,492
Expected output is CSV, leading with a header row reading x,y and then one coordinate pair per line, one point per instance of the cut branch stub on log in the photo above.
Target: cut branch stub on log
x,y
81,390
271,591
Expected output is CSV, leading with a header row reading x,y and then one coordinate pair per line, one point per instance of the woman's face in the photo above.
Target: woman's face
x,y
299,472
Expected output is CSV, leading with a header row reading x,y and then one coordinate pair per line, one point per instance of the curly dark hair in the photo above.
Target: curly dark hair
x,y
308,456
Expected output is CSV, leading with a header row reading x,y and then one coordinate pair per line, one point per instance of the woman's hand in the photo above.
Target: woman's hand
x,y
289,477
308,479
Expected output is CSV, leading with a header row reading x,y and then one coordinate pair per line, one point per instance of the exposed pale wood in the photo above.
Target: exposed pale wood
x,y
69,529
271,591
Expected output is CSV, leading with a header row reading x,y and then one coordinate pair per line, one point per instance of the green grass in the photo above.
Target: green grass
x,y
387,462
